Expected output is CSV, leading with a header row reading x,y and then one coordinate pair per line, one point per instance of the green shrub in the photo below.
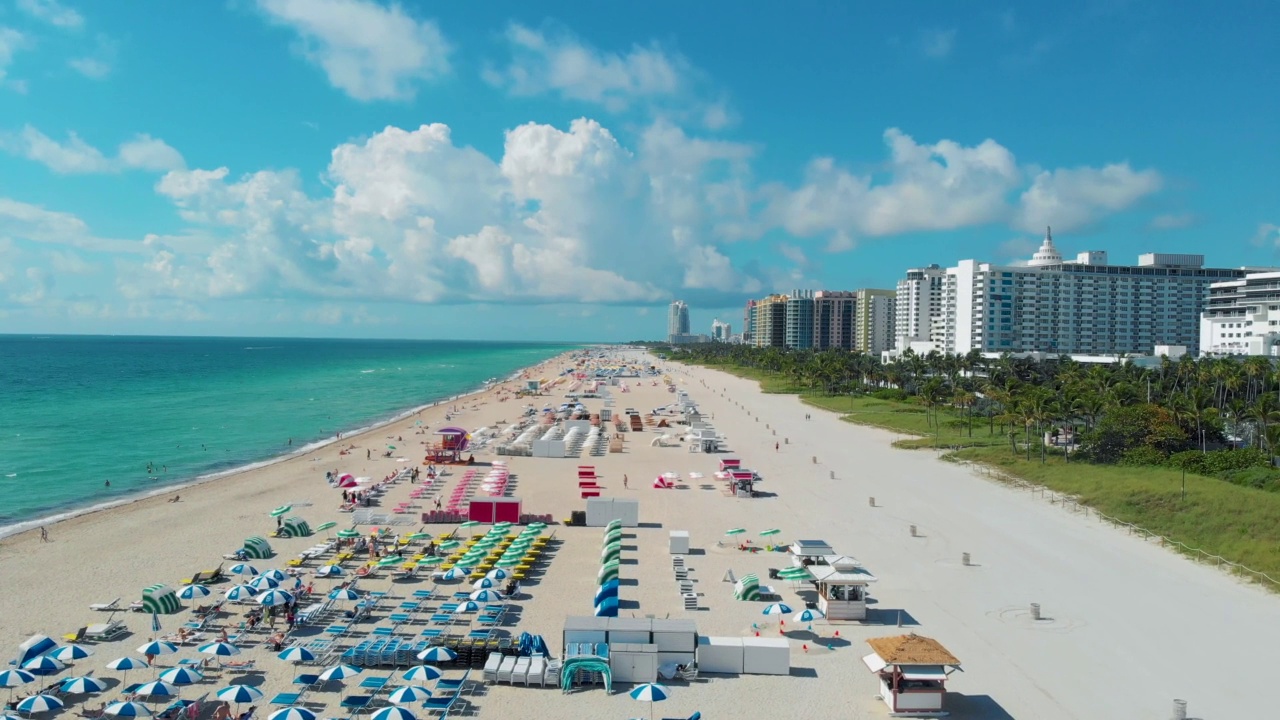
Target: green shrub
x,y
1142,455
894,394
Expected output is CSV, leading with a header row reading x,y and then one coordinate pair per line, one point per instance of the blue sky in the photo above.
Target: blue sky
x,y
356,168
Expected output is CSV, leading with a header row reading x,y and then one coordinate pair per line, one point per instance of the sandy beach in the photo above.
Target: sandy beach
x,y
1126,627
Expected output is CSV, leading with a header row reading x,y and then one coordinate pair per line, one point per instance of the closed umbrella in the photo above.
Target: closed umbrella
x,y
391,560
650,693
191,592
297,654
393,713
220,649
423,673
38,703
292,713
82,685
409,694
239,694
326,525
468,524
275,597
127,709
437,653
182,676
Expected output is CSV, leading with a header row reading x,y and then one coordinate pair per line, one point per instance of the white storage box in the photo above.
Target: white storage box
x,y
720,655
766,656
679,542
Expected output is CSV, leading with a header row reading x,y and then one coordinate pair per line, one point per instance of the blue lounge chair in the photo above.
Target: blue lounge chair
x,y
286,698
454,686
374,683
356,703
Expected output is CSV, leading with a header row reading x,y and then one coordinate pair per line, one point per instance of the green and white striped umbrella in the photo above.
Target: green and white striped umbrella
x,y
326,525
420,536
450,545
509,562
431,561
770,531
349,534
281,510
468,524
735,531
393,560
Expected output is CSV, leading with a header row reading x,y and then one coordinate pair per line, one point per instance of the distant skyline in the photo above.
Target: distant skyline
x,y
361,168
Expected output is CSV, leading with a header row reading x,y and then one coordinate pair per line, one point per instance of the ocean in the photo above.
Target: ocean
x,y
77,411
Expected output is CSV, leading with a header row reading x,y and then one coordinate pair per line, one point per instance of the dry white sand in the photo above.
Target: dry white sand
x,y
1130,626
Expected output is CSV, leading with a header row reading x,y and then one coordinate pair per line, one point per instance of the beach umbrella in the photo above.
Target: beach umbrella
x,y
38,703
650,693
182,676
511,561
243,569
484,583
263,582
275,574
330,571
220,649
240,592
125,664
497,574
344,594
796,571
735,531
349,534
449,545
486,596
431,561
292,713
82,685
468,524
437,653
14,678
155,622
158,647
777,609
393,713
409,694
339,672
326,525
239,694
419,536
455,573
191,592
423,673
770,531
156,688
127,709
469,606
281,510
275,597
807,615
42,665
297,654
391,560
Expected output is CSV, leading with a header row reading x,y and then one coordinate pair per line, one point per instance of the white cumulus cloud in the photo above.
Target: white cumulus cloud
x,y
367,50
74,156
1072,198
52,12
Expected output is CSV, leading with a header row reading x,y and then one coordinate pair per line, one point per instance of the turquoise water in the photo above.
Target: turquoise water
x,y
77,411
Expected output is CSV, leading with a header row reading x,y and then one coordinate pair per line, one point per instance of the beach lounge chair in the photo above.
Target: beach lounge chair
x,y
520,673
491,667
105,631
76,636
286,698
356,703
537,669
107,606
441,705
506,669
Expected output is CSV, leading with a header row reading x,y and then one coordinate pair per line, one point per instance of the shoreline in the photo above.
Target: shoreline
x,y
57,516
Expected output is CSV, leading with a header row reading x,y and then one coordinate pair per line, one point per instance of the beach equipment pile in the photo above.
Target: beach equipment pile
x,y
606,598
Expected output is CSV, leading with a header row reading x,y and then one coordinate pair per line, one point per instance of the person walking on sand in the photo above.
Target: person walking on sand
x,y
624,481
775,447
44,534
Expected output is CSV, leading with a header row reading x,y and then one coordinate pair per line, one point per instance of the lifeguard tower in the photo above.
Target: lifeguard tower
x,y
454,441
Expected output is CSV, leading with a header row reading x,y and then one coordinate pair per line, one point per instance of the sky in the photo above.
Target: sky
x,y
362,168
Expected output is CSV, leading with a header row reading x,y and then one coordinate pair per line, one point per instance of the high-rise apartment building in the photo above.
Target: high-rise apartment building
x,y
749,322
1242,317
876,316
677,321
1085,307
917,301
770,323
720,331
799,320
834,320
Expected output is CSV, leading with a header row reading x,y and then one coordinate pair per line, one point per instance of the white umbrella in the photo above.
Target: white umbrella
x,y
393,713
182,676
127,709
71,652
339,672
343,594
191,592
275,597
239,694
14,678
292,713
484,583
221,649
39,703
243,569
157,688
275,574
486,596
42,665
297,654
241,592
437,653
82,685
409,694
330,571
158,647
264,582
650,693
423,672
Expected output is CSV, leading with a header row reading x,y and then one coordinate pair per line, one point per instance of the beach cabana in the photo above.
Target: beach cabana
x,y
160,599
257,548
842,587
913,671
294,526
747,588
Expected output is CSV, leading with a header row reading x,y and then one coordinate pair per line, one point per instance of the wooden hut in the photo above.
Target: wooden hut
x,y
913,671
842,587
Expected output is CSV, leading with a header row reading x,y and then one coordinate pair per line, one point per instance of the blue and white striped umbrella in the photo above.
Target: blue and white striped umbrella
x,y
126,664
243,569
297,654
292,713
498,574
393,713
486,596
807,615
262,582
777,609
330,571
127,709
82,685
14,678
339,672
409,694
437,653
275,574
343,594
484,583
155,622
650,692
239,694
275,597
158,647
469,606
455,573
42,665
220,649
39,703
191,592
182,676
71,652
156,688
422,673
241,592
